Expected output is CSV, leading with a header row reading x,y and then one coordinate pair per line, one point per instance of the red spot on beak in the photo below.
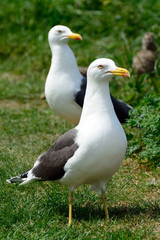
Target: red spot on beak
x,y
124,75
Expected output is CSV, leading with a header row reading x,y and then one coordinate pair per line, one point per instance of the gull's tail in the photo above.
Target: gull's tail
x,y
18,179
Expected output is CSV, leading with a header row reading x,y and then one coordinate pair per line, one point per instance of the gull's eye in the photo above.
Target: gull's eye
x,y
59,31
100,66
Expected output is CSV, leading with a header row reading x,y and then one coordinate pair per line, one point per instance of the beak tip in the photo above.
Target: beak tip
x,y
126,74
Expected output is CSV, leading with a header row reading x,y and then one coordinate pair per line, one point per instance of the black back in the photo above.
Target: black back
x,y
79,97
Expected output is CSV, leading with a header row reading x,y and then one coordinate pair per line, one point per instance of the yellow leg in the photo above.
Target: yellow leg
x,y
105,204
70,208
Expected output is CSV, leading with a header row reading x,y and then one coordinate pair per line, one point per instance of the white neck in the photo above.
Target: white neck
x,y
63,59
97,102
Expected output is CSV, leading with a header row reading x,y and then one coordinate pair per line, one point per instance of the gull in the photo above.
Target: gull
x,y
65,86
91,152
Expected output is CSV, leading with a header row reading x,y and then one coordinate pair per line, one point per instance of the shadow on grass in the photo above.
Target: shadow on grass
x,y
119,212
58,203
95,211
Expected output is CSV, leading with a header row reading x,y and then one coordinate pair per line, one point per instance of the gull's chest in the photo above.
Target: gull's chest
x,y
105,137
60,86
99,155
60,93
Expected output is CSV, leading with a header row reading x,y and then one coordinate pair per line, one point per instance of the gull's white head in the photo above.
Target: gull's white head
x,y
61,34
104,69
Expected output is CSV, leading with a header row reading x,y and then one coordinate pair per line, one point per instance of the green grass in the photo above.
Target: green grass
x,y
40,210
28,127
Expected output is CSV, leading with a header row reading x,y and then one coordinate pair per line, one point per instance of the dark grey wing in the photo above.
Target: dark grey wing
x,y
121,108
79,96
51,163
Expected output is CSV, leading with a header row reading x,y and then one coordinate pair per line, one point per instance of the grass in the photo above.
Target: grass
x,y
40,210
28,127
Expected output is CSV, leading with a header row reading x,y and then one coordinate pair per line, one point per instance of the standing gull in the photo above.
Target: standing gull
x,y
65,86
91,152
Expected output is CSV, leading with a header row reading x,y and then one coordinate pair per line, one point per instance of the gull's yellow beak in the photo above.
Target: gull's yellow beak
x,y
121,72
75,36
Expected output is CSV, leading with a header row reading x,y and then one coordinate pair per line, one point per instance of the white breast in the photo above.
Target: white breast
x,y
59,92
99,156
